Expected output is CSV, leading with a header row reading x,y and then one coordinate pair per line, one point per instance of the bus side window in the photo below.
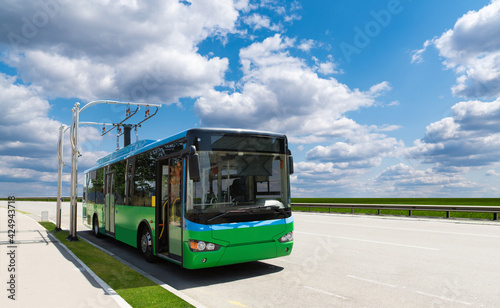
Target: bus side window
x,y
143,180
119,181
99,186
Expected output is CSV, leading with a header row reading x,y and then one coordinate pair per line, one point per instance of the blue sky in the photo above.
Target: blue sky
x,y
378,98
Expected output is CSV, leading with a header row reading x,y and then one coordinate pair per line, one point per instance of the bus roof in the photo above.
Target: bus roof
x,y
146,144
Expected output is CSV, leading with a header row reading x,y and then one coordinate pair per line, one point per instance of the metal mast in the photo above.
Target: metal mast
x,y
75,154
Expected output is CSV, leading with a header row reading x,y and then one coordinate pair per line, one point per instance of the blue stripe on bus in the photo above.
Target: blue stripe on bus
x,y
192,226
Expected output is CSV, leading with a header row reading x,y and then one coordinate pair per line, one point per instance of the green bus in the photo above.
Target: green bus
x,y
201,198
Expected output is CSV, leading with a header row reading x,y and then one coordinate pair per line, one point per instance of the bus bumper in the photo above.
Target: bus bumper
x,y
235,254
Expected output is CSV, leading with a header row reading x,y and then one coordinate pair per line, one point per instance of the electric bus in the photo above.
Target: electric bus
x,y
201,198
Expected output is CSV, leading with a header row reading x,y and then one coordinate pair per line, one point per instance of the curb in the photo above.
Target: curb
x,y
117,298
154,279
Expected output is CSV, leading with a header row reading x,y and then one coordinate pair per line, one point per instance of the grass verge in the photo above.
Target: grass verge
x,y
22,212
417,213
133,287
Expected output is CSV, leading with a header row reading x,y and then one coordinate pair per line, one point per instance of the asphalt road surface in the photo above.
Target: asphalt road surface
x,y
345,261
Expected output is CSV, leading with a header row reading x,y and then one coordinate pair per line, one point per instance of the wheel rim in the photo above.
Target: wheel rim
x,y
96,227
145,242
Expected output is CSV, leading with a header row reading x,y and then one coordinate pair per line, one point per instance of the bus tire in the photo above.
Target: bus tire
x,y
146,244
95,227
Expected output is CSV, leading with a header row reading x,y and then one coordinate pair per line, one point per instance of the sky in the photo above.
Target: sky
x,y
385,98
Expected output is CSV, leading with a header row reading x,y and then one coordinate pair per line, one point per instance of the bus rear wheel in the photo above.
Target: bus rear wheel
x,y
146,245
95,227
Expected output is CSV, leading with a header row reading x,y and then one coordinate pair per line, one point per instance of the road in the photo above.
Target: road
x,y
346,260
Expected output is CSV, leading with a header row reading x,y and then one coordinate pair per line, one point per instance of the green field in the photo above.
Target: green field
x,y
422,201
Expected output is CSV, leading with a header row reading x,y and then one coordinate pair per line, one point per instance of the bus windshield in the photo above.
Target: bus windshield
x,y
239,186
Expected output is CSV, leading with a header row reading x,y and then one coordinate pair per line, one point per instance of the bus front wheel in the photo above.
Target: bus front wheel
x,y
146,245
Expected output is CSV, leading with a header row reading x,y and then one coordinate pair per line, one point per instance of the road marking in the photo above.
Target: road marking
x,y
368,241
237,304
326,292
372,281
418,292
404,229
443,298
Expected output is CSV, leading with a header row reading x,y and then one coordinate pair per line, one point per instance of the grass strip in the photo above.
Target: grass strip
x,y
427,201
22,212
418,213
133,287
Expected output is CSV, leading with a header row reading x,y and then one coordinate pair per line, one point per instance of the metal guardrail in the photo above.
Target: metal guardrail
x,y
405,207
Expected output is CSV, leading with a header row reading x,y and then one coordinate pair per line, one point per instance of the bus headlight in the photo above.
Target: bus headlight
x,y
201,245
195,245
286,238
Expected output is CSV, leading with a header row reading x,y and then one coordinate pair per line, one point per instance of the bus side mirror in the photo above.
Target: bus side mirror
x,y
194,164
290,162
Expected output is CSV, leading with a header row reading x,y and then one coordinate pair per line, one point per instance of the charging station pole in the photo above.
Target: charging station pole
x,y
62,130
75,154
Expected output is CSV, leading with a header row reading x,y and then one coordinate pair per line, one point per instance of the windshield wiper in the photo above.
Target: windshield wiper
x,y
278,209
223,214
243,210
272,207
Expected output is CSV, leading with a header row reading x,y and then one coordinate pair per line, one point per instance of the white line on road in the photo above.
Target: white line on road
x,y
444,298
325,292
418,292
372,281
404,229
368,241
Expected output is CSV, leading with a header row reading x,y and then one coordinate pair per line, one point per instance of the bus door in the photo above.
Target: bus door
x,y
169,208
109,203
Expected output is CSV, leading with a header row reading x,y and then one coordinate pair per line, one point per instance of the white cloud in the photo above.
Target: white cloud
x,y
472,49
403,179
477,115
280,92
24,124
306,45
169,74
60,76
325,179
326,68
361,153
91,49
258,21
470,138
492,173
379,89
388,128
129,50
417,54
28,139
